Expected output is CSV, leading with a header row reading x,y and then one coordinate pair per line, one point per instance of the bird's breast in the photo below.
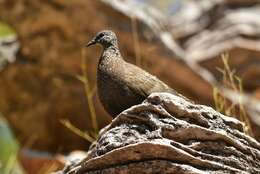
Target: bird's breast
x,y
114,93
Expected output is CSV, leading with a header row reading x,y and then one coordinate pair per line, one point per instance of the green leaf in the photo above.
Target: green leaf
x,y
6,30
8,150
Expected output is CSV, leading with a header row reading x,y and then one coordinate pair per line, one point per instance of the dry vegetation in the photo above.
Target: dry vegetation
x,y
222,104
89,135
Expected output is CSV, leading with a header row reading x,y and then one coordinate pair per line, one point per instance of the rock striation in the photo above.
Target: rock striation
x,y
168,134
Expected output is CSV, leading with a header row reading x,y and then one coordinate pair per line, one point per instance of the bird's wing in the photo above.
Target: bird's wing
x,y
144,83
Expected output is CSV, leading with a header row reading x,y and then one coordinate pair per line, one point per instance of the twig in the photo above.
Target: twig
x,y
77,131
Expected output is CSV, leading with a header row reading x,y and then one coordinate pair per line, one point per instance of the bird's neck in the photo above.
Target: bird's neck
x,y
111,52
109,56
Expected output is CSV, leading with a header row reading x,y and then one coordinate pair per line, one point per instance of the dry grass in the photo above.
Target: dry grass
x,y
88,92
85,135
231,81
89,135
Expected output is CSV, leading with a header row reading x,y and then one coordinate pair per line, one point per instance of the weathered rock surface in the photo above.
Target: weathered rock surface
x,y
167,134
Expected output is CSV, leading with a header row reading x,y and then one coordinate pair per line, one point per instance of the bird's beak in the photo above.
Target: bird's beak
x,y
92,42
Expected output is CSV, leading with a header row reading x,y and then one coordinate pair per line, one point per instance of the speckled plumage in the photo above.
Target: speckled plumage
x,y
121,84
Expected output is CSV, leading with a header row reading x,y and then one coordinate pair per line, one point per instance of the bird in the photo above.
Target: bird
x,y
120,84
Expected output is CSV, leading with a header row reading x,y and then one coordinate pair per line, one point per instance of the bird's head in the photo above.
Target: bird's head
x,y
106,38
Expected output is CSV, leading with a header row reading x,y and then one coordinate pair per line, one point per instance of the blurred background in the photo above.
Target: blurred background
x,y
208,50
